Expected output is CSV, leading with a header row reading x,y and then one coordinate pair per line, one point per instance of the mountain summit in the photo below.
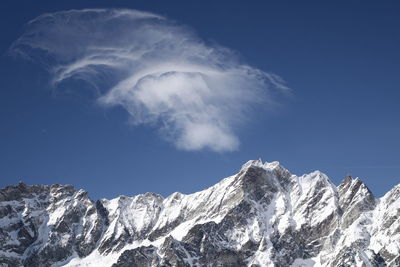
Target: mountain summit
x,y
261,216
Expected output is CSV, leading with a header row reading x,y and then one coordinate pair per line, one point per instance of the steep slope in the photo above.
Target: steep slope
x,y
262,216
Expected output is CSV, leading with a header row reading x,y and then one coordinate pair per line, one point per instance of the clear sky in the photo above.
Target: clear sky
x,y
341,115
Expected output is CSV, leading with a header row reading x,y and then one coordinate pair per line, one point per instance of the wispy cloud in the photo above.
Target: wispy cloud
x,y
161,72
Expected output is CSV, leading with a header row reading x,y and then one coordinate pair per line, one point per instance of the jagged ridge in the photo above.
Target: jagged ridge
x,y
262,216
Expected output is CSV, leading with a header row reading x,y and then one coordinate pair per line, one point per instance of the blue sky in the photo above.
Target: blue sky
x,y
340,60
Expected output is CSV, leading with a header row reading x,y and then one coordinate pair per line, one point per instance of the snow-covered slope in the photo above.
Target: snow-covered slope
x,y
262,216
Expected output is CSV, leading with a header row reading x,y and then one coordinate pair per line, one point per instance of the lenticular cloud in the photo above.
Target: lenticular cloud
x,y
160,72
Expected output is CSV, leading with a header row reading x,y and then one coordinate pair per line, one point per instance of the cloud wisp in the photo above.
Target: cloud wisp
x,y
197,94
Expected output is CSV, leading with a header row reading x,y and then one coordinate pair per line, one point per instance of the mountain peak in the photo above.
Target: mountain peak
x,y
351,183
261,164
354,199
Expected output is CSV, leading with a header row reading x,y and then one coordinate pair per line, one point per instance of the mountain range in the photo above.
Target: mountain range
x,y
261,216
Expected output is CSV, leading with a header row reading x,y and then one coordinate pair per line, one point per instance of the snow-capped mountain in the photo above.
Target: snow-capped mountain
x,y
262,216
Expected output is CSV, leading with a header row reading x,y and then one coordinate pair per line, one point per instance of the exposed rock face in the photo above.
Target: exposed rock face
x,y
262,216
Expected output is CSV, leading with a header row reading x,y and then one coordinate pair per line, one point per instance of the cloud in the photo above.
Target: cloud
x,y
197,94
